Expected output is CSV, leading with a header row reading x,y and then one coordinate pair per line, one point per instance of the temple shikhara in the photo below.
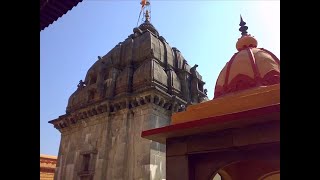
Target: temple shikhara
x,y
142,113
136,86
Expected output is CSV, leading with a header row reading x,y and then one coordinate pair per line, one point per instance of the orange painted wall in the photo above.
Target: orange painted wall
x,y
47,167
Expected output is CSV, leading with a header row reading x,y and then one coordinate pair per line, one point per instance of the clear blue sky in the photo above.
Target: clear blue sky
x,y
204,31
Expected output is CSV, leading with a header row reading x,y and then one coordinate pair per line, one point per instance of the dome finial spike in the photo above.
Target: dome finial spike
x,y
243,29
241,20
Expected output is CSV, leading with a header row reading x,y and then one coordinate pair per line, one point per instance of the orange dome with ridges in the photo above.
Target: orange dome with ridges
x,y
249,67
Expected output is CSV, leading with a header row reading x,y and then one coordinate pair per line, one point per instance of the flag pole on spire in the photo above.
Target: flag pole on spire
x,y
143,4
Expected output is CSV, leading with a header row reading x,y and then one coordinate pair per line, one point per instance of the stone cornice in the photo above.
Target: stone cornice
x,y
126,101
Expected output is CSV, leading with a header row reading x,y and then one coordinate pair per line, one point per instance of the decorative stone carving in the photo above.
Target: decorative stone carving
x,y
81,84
194,84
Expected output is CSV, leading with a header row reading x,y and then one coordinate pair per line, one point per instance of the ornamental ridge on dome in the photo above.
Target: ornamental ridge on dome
x,y
250,67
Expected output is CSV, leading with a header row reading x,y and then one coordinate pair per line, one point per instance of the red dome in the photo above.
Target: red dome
x,y
248,68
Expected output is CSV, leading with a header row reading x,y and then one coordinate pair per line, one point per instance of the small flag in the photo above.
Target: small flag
x,y
143,3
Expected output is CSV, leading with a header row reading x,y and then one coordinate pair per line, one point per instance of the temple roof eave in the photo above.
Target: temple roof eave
x,y
214,124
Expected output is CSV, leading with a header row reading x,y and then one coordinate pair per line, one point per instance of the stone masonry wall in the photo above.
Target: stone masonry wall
x,y
117,150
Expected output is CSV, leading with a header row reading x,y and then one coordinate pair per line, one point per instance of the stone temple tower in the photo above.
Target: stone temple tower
x,y
134,87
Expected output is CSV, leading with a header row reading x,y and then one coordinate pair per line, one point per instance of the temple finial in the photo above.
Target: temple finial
x,y
144,6
243,29
147,16
246,40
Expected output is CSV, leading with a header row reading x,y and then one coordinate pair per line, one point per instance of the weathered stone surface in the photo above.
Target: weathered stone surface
x,y
120,151
143,61
134,87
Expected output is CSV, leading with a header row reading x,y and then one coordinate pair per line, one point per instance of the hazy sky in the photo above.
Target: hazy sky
x,y
205,31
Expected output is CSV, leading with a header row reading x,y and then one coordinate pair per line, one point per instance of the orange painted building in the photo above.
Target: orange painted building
x,y
47,166
236,135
